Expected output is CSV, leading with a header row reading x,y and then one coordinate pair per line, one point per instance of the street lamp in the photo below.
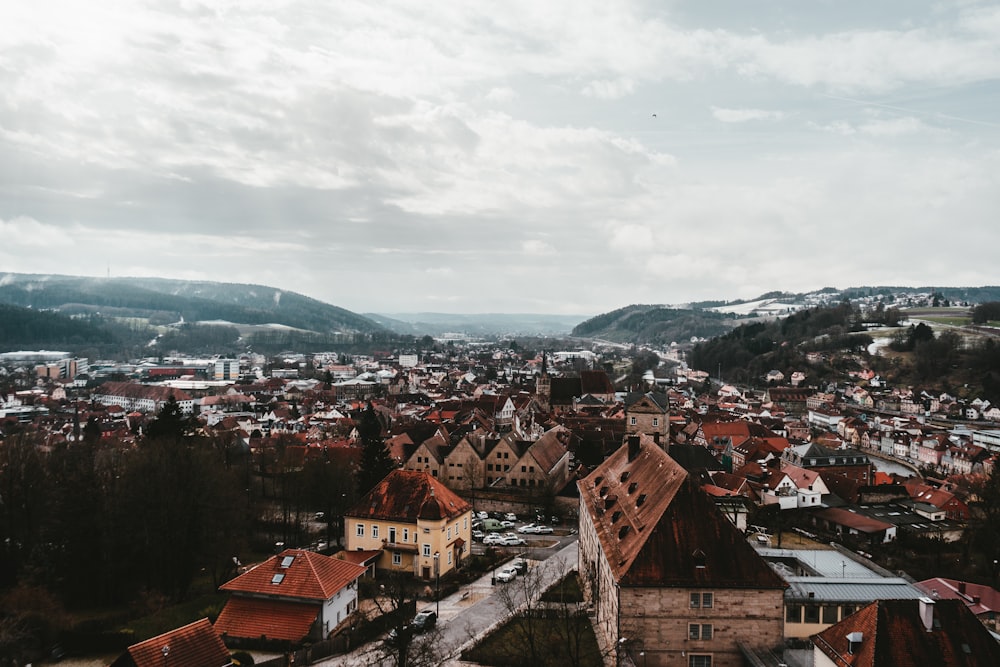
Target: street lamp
x,y
437,583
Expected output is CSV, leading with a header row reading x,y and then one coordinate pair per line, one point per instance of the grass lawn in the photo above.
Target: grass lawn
x,y
508,647
954,321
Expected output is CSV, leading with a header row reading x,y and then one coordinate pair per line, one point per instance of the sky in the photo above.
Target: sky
x,y
470,156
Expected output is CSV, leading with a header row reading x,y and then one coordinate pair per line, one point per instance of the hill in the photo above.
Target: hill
x,y
125,316
478,325
162,301
655,325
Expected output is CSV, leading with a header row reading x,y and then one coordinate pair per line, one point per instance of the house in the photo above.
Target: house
x,y
907,633
647,413
295,596
667,574
197,643
983,601
419,524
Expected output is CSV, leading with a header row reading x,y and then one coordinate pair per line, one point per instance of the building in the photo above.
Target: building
x,y
142,398
295,596
983,601
648,413
418,524
825,586
197,643
226,369
907,633
668,575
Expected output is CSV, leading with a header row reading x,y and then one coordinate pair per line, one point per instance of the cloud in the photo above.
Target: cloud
x,y
609,90
537,248
744,115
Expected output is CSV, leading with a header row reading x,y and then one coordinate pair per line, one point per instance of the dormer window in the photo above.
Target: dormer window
x,y
699,558
632,487
604,491
617,515
623,532
598,480
640,500
624,477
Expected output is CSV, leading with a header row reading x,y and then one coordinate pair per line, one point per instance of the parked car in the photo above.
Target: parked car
x,y
513,541
520,565
482,515
527,528
492,538
543,530
510,516
424,620
507,524
478,535
507,574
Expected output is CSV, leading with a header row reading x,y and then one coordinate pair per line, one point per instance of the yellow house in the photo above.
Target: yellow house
x,y
418,524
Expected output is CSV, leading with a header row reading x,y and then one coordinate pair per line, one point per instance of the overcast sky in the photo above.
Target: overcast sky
x,y
538,156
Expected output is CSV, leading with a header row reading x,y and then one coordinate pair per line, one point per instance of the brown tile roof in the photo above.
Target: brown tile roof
x,y
195,645
402,494
657,527
893,635
304,574
550,448
275,619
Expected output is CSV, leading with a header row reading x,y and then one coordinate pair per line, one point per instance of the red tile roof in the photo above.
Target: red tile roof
x,y
657,527
274,619
195,645
401,496
306,575
893,635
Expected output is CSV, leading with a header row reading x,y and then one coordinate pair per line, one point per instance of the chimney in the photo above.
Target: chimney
x,y
927,613
633,447
961,587
854,640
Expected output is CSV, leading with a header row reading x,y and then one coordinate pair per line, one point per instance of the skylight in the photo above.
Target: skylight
x,y
278,578
286,562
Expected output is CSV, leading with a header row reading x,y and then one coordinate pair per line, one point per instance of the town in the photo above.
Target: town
x,y
486,503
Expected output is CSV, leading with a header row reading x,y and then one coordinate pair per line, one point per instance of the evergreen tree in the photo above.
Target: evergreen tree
x,y
376,462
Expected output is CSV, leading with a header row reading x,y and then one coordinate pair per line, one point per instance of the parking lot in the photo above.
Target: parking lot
x,y
507,533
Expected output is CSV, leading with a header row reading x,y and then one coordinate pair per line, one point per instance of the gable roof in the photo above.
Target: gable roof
x,y
658,528
402,496
296,573
894,635
197,643
256,617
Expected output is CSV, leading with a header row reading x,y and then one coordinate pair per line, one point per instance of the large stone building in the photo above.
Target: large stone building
x,y
415,521
669,576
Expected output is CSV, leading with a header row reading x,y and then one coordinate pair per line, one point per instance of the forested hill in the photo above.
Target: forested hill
x,y
162,301
24,328
651,324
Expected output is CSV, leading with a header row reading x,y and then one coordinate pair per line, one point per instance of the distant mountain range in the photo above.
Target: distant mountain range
x,y
143,312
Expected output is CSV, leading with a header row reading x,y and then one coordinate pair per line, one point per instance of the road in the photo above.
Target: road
x,y
474,611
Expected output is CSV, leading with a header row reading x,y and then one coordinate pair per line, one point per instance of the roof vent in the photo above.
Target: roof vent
x,y
632,487
624,477
640,500
610,501
623,532
699,558
617,515
604,491
854,640
598,480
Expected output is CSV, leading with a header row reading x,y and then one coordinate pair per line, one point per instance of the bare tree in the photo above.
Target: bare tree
x,y
405,645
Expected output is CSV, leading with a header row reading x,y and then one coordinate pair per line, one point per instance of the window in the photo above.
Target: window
x,y
427,550
498,454
449,558
656,421
531,468
489,466
812,613
375,530
406,534
829,613
392,535
506,455
449,532
699,631
631,421
699,661
702,600
397,559
524,468
360,530
793,613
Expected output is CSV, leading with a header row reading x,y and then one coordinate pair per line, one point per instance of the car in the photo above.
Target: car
x,y
424,620
513,541
520,565
482,515
510,516
492,538
527,528
478,535
507,574
507,524
543,530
